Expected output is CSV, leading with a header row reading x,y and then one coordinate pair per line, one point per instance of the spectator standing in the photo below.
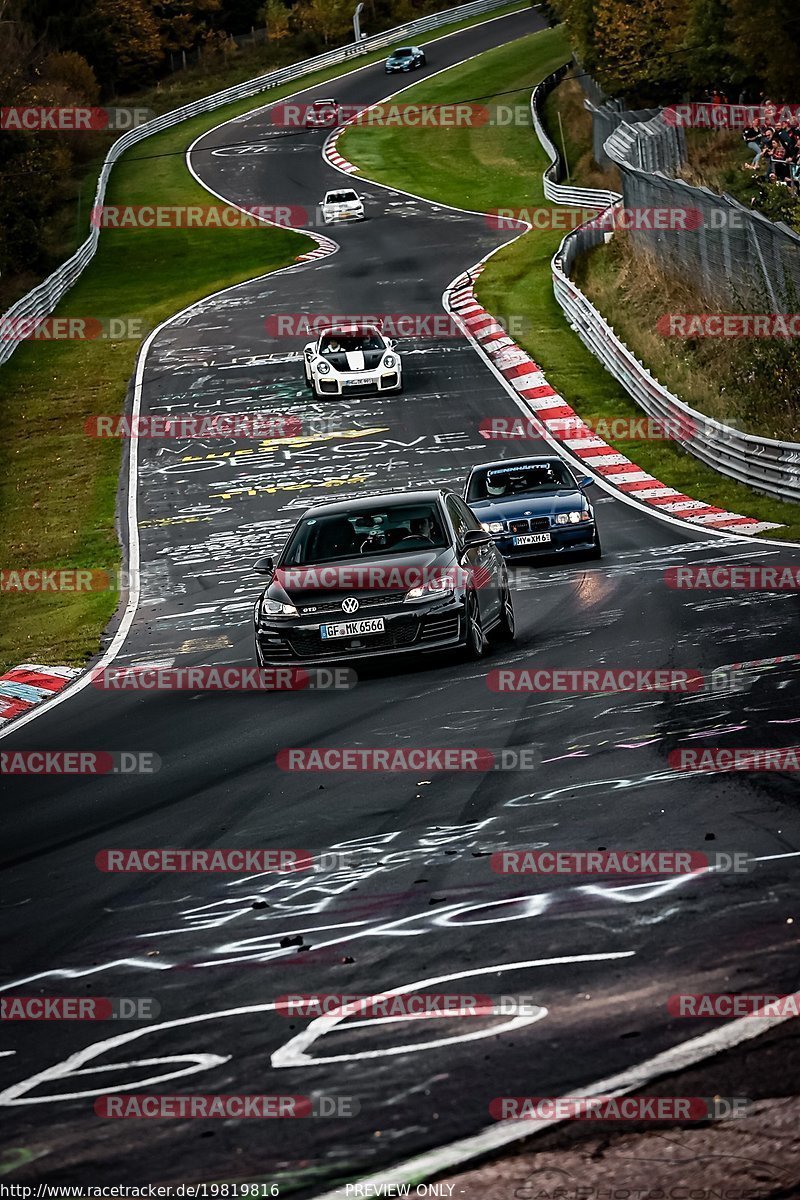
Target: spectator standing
x,y
751,135
779,166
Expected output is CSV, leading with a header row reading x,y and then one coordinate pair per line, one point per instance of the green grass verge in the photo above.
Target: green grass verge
x,y
472,166
488,168
57,486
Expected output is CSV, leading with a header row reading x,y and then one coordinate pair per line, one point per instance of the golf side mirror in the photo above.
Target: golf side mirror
x,y
264,566
476,537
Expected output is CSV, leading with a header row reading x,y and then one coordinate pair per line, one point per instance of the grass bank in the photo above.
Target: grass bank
x,y
566,101
752,384
488,168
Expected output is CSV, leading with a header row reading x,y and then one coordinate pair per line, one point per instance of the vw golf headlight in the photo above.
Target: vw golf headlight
x,y
492,526
434,589
274,608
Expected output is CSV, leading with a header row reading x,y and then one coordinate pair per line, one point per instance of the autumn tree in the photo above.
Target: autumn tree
x,y
710,54
639,46
580,17
184,24
329,20
122,41
275,17
766,37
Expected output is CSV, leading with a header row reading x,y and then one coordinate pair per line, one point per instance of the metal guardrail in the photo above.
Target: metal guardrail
x,y
42,299
554,190
645,141
765,464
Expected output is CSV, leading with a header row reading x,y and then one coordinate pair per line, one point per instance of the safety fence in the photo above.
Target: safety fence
x,y
734,254
657,153
41,301
766,464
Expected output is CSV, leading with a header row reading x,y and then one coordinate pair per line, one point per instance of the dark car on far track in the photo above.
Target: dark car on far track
x,y
398,573
405,58
534,506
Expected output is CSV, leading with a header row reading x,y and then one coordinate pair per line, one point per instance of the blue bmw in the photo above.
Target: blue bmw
x,y
533,506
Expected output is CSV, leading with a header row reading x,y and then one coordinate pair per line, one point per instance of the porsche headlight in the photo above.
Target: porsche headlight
x,y
323,367
389,360
274,608
492,526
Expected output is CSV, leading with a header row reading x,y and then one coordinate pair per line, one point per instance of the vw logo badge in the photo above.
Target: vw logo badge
x,y
350,604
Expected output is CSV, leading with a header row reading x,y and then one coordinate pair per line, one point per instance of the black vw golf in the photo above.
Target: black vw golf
x,y
403,572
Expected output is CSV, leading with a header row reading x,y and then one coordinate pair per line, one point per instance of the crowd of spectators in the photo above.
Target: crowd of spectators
x,y
776,147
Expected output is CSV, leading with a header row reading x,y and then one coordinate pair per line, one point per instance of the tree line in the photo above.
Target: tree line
x,y
660,51
90,52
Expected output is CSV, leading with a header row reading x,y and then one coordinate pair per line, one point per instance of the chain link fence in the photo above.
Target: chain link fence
x,y
643,139
767,464
735,255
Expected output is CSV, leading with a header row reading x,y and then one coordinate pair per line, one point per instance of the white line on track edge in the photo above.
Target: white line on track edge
x,y
504,1133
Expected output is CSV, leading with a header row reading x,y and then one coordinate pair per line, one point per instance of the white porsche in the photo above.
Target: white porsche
x,y
348,360
342,205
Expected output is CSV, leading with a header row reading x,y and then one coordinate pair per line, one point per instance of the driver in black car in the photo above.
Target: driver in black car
x,y
421,530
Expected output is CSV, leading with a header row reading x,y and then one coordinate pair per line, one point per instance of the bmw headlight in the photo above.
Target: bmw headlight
x,y
434,589
274,608
323,367
574,518
389,360
492,526
562,519
586,515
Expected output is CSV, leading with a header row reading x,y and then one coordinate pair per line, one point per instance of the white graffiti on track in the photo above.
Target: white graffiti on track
x,y
135,1075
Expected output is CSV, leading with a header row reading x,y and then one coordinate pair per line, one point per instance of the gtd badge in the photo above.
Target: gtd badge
x,y
350,604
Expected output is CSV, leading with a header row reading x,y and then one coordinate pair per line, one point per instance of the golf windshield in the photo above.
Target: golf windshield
x,y
523,480
375,530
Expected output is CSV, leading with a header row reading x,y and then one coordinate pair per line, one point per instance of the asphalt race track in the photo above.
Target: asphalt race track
x,y
415,898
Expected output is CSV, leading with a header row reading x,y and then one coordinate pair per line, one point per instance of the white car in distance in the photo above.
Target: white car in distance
x,y
352,360
344,204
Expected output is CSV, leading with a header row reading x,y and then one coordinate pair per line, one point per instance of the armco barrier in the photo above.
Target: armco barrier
x,y
554,190
765,464
42,300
